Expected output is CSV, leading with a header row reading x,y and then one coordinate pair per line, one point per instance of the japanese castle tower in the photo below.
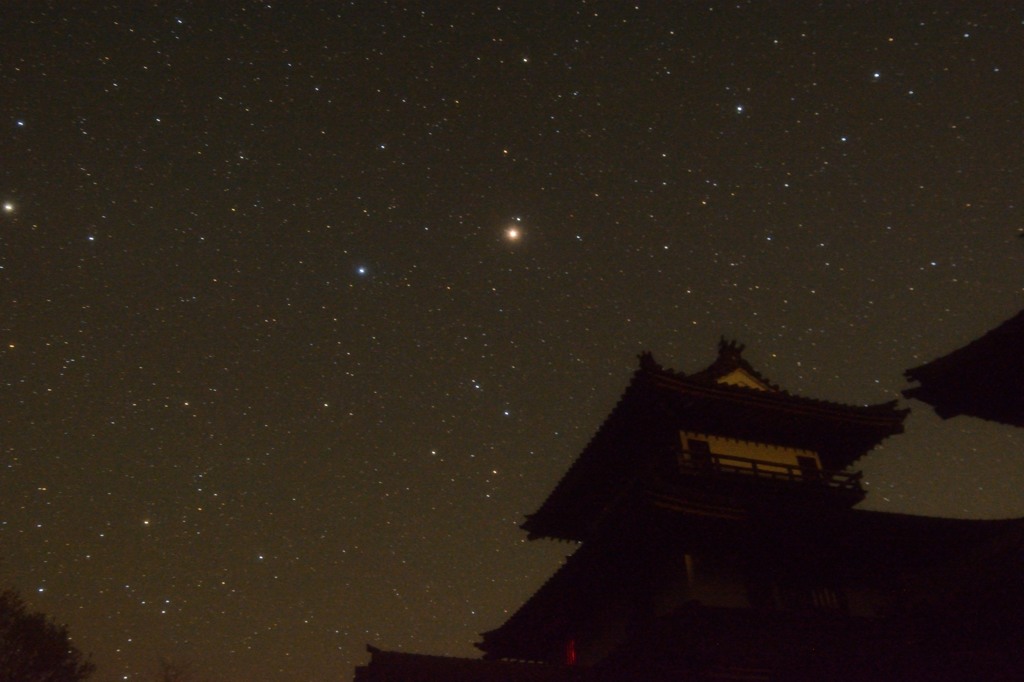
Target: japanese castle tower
x,y
719,540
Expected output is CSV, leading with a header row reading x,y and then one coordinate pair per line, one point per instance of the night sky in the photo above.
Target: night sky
x,y
303,306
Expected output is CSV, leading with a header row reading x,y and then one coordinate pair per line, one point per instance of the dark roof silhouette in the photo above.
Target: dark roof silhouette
x,y
396,665
657,397
690,569
983,379
858,547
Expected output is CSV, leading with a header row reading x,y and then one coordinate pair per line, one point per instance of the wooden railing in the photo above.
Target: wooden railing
x,y
693,463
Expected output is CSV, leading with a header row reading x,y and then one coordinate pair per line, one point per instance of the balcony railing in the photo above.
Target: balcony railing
x,y
701,463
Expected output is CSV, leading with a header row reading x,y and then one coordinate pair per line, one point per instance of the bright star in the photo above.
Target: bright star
x,y
513,232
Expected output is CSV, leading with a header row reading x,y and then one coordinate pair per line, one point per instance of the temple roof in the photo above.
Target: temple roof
x,y
862,547
983,379
729,398
389,666
731,368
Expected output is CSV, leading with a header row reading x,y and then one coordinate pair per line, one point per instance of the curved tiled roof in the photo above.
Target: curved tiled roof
x,y
875,548
658,403
388,666
983,379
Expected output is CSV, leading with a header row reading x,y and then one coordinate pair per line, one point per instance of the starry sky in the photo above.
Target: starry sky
x,y
303,305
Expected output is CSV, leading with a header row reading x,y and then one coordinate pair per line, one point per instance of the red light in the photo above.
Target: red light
x,y
570,652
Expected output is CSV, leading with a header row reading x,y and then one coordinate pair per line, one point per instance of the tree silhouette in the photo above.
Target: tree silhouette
x,y
33,648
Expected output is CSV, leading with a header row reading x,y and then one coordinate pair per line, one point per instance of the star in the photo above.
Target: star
x,y
514,233
327,286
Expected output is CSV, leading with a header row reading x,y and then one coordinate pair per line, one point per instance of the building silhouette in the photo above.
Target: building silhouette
x,y
719,540
983,379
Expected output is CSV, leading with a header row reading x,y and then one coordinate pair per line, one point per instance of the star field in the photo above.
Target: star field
x,y
303,306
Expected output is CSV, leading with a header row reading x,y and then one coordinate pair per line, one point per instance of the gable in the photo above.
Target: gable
x,y
741,377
